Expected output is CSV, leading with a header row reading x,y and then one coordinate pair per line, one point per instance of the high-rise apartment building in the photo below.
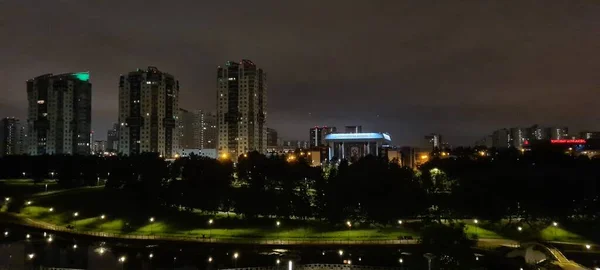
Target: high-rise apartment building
x,y
272,137
435,140
10,137
148,112
241,108
112,139
317,135
59,114
186,128
206,134
501,138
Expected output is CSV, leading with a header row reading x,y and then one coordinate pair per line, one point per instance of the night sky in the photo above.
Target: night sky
x,y
459,68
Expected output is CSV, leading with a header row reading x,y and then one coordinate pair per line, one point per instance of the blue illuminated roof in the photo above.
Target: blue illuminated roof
x,y
358,136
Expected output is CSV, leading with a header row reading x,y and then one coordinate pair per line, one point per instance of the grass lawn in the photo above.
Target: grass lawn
x,y
132,215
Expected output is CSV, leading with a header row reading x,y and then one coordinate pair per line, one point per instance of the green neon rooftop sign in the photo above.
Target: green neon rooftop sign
x,y
82,76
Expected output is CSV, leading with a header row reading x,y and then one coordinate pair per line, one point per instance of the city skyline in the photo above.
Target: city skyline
x,y
406,69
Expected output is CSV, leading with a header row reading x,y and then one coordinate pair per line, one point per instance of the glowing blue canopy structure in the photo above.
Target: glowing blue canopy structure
x,y
358,137
356,145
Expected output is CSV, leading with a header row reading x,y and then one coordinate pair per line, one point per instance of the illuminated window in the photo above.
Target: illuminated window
x,y
40,101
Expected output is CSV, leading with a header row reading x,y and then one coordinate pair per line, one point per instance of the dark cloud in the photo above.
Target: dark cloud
x,y
461,68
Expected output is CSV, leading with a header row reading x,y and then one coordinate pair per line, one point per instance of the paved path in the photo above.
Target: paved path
x,y
19,220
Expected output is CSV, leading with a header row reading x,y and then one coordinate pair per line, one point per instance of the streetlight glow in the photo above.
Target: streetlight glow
x,y
152,219
278,261
151,255
27,236
520,228
76,214
122,259
102,217
101,251
7,199
5,233
341,252
51,209
588,246
555,224
349,223
278,223
210,221
31,255
476,221
399,222
75,246
29,203
210,259
236,255
401,260
50,239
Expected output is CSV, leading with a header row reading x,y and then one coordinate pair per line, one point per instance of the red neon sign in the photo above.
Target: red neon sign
x,y
570,141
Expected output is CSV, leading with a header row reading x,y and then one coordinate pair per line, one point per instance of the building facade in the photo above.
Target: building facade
x,y
112,139
148,113
241,108
186,129
317,135
353,146
272,138
10,137
59,114
206,134
99,147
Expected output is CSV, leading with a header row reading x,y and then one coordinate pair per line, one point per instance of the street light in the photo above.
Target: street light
x,y
235,256
5,233
476,221
150,255
341,252
7,199
399,222
588,246
101,251
27,236
401,260
278,262
102,217
51,209
520,228
50,239
210,259
30,256
122,259
151,224
210,222
29,202
75,215
349,228
75,246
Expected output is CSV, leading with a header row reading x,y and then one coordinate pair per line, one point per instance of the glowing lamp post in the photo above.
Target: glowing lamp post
x,y
151,224
210,222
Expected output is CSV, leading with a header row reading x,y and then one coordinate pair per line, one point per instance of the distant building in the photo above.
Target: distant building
x,y
112,139
296,144
501,138
208,129
589,135
271,138
59,114
10,137
486,141
148,113
186,128
317,135
99,147
353,146
353,129
241,108
435,140
210,153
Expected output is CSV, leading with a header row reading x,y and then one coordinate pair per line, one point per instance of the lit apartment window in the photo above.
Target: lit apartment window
x,y
41,101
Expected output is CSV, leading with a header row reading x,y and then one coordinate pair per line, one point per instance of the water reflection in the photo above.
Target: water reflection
x,y
29,249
